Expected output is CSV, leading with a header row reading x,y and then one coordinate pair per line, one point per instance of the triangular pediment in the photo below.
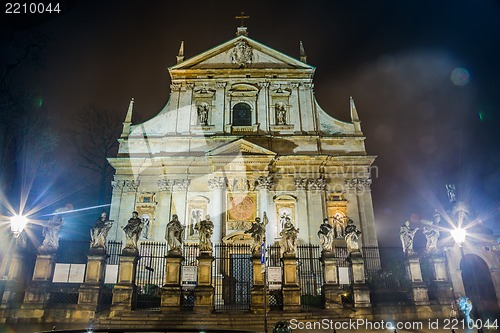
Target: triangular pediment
x,y
241,52
240,147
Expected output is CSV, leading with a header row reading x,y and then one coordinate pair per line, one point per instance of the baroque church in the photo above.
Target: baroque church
x,y
242,135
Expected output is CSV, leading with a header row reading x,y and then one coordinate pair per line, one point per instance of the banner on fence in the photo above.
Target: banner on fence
x,y
69,273
111,274
189,277
344,275
274,278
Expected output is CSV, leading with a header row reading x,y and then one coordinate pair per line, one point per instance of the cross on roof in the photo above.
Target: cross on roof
x,y
242,17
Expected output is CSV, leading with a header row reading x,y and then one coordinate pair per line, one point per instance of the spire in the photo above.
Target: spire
x,y
128,120
180,56
242,30
303,56
354,116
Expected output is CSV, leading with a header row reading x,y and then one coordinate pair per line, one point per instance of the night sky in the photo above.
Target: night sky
x,y
424,76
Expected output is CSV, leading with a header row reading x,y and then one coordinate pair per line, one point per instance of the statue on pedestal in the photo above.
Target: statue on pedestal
x,y
258,233
206,229
338,225
50,232
351,237
203,114
289,237
326,236
432,233
406,234
99,232
280,113
132,231
174,235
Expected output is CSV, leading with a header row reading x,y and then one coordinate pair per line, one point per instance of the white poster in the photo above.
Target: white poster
x,y
344,275
61,273
76,273
111,274
274,278
189,276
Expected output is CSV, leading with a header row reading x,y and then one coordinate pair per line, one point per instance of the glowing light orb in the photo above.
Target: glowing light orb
x,y
459,236
17,224
460,76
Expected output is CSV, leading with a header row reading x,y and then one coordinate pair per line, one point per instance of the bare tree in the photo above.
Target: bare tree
x,y
95,137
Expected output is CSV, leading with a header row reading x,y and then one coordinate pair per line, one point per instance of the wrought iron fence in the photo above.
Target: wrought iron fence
x,y
233,277
273,259
72,251
310,275
150,275
113,250
190,253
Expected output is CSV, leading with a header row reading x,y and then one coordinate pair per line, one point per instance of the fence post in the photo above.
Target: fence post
x,y
37,295
204,291
360,289
331,289
257,291
420,293
291,290
171,291
125,290
90,290
14,287
440,284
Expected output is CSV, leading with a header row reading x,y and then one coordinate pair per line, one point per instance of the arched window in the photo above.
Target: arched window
x,y
242,115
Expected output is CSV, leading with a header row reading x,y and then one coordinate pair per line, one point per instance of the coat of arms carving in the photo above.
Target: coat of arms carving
x,y
242,54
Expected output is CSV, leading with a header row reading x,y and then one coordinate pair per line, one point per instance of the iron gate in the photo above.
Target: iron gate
x,y
310,275
233,277
150,275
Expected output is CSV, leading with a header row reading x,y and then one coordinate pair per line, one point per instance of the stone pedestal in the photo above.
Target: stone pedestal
x,y
12,295
90,290
332,291
361,292
204,291
440,284
36,295
257,291
171,290
291,290
124,290
420,293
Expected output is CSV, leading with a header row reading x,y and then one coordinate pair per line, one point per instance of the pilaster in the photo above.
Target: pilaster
x,y
218,186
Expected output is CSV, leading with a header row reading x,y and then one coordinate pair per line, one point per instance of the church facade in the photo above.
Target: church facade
x,y
242,135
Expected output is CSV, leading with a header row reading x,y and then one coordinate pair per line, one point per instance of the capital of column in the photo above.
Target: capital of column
x,y
358,184
220,85
117,185
181,184
263,84
165,185
175,87
313,184
264,182
304,86
217,183
130,185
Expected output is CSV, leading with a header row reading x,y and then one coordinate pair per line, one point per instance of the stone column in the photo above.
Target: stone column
x,y
360,289
257,291
128,190
171,290
217,185
291,290
360,209
440,285
204,291
124,290
302,208
220,107
162,212
90,290
316,205
179,198
12,295
419,289
263,185
332,291
36,295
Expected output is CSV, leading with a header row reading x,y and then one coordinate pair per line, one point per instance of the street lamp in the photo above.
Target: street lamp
x,y
17,224
458,235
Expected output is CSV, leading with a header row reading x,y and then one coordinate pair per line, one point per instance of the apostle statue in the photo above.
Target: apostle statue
x,y
326,236
432,233
258,233
174,235
351,237
280,113
338,225
289,237
99,232
406,234
203,114
132,232
50,232
206,229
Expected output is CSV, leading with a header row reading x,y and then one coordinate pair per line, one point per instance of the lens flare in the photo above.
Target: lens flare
x,y
460,76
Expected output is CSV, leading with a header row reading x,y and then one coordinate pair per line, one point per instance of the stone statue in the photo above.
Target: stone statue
x,y
280,113
132,231
451,193
289,237
206,229
326,236
432,233
406,234
258,233
99,232
465,306
50,232
145,228
338,226
174,235
351,237
203,114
